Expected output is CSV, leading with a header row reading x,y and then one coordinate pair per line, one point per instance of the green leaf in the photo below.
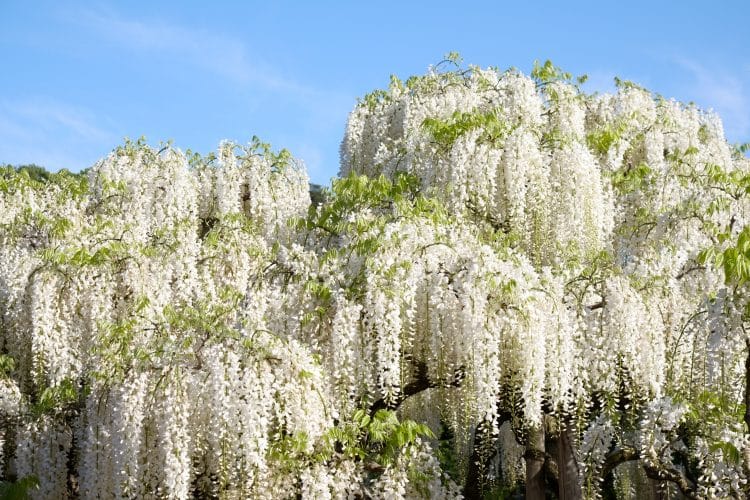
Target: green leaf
x,y
728,450
56,398
19,490
7,365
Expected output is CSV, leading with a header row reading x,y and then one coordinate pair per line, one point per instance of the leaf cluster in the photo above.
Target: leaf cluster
x,y
734,260
379,438
19,489
55,399
603,139
383,197
629,180
446,132
547,73
710,412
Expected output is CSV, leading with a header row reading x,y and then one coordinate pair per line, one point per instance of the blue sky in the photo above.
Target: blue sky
x,y
78,77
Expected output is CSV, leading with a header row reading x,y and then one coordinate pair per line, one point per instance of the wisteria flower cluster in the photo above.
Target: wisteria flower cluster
x,y
512,286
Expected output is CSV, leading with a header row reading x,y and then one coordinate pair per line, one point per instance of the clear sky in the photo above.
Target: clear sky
x,y
78,77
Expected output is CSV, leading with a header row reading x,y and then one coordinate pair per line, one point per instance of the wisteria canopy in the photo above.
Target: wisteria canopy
x,y
513,287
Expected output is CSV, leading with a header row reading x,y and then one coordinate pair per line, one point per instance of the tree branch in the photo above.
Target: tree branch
x,y
688,271
421,382
619,456
658,472
596,306
673,475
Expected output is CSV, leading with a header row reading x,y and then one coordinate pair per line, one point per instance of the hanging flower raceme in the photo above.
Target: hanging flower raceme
x,y
494,146
630,199
530,275
149,333
423,304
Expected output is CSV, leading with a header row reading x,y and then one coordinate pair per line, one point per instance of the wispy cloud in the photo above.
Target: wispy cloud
x,y
49,115
222,55
50,133
723,91
313,114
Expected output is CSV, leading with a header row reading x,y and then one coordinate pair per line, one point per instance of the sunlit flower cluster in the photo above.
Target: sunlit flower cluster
x,y
149,343
616,197
503,256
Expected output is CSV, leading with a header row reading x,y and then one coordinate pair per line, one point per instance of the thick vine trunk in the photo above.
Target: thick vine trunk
x,y
656,489
534,456
569,487
473,489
